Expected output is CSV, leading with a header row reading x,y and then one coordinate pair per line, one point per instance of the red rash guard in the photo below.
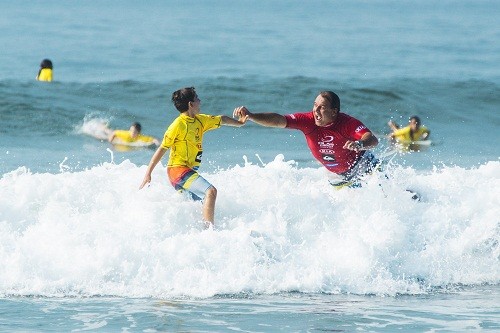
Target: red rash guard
x,y
326,142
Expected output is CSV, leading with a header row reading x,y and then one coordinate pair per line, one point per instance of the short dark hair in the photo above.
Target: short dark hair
x,y
332,98
137,126
46,63
416,118
182,97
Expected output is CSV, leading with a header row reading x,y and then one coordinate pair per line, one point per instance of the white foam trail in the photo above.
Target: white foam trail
x,y
94,126
278,228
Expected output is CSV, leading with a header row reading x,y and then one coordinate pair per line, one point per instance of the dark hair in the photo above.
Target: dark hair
x,y
137,126
332,98
46,63
182,97
416,118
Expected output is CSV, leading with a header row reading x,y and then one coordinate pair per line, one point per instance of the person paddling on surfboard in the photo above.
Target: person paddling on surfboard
x,y
411,133
131,136
184,136
338,141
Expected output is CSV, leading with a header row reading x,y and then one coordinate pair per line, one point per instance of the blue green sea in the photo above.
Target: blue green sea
x,y
82,249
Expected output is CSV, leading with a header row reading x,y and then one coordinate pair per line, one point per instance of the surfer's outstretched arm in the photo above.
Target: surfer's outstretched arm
x,y
393,125
111,136
264,119
228,121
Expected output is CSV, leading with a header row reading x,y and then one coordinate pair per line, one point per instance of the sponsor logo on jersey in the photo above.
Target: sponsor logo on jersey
x,y
198,157
329,158
327,151
326,142
360,128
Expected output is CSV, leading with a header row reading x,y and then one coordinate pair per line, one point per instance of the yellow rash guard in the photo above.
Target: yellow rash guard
x,y
45,74
404,134
184,136
125,137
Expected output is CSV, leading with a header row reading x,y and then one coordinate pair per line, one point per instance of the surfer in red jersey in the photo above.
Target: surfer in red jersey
x,y
338,141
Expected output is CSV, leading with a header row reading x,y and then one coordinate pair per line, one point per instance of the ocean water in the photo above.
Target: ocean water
x,y
82,249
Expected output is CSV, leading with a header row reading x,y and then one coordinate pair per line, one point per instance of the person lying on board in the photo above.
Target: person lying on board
x,y
133,135
411,133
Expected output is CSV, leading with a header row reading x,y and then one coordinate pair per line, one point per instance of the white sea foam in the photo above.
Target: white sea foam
x,y
278,228
95,126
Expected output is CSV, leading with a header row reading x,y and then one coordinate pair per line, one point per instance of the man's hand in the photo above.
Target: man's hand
x,y
241,113
147,180
353,145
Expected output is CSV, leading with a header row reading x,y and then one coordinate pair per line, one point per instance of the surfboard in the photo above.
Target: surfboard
x,y
411,145
136,144
421,143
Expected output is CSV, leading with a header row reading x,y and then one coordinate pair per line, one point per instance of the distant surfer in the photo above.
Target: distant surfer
x,y
411,133
133,135
185,137
338,141
45,71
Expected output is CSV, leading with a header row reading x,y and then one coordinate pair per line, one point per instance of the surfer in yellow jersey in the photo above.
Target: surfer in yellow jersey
x,y
184,138
45,72
411,133
133,135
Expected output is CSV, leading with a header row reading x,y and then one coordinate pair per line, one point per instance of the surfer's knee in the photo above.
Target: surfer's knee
x,y
211,193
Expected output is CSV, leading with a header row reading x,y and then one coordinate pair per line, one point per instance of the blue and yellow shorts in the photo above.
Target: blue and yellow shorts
x,y
186,179
365,165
